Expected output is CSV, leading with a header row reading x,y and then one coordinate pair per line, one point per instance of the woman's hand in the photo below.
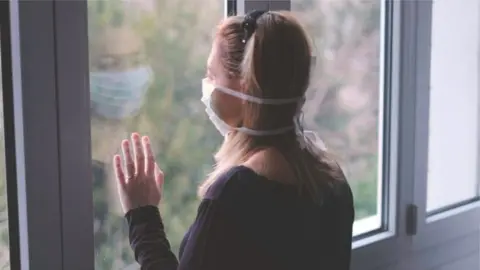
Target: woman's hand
x,y
141,182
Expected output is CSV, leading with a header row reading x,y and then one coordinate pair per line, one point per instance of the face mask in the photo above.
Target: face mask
x,y
305,138
207,92
117,95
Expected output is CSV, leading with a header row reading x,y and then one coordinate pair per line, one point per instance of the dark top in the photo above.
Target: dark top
x,y
246,221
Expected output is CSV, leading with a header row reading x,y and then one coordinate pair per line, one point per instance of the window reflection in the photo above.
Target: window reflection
x,y
147,59
172,40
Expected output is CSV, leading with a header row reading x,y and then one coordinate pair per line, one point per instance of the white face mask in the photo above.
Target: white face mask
x,y
303,136
207,91
116,95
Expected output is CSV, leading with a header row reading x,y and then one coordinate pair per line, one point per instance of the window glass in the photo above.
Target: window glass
x,y
345,103
4,239
147,59
454,104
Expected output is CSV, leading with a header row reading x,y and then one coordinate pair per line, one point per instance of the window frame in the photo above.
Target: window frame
x,y
9,136
31,134
391,244
50,183
73,109
455,221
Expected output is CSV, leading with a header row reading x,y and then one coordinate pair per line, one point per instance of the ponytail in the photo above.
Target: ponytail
x,y
252,53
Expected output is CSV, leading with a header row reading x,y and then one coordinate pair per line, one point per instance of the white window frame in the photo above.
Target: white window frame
x,y
455,221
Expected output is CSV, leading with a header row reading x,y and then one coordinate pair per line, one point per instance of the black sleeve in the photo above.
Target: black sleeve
x,y
148,239
213,241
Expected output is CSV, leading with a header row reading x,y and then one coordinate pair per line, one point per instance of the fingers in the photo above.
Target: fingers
x,y
127,155
117,164
159,178
139,155
149,157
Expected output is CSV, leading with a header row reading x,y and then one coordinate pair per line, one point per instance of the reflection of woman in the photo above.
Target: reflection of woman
x,y
119,79
274,199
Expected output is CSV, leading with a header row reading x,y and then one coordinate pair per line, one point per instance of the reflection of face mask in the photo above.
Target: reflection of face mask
x,y
207,92
117,95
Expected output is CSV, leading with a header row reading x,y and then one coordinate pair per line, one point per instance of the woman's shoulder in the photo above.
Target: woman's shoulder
x,y
238,180
242,183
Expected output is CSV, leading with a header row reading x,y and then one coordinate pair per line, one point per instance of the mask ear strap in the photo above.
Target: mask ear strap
x,y
269,101
302,140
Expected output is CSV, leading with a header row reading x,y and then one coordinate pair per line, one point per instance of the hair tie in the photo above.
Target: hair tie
x,y
249,23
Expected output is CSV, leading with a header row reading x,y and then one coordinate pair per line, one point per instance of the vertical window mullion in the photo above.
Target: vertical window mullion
x,y
35,140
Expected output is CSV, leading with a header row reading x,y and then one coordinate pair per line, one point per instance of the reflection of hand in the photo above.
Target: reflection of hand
x,y
141,182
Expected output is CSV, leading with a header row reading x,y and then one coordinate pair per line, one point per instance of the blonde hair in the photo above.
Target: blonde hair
x,y
275,63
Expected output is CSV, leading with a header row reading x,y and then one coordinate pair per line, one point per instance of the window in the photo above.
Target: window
x,y
4,243
395,96
454,125
147,59
346,100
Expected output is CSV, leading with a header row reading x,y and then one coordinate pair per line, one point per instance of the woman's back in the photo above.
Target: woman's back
x,y
267,225
273,200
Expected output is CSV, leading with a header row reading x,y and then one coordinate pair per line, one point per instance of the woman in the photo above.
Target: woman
x,y
274,200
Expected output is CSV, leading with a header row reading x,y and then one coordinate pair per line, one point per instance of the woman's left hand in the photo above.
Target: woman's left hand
x,y
141,182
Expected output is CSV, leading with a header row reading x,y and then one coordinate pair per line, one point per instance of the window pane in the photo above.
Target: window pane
x,y
147,59
454,104
345,98
4,239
